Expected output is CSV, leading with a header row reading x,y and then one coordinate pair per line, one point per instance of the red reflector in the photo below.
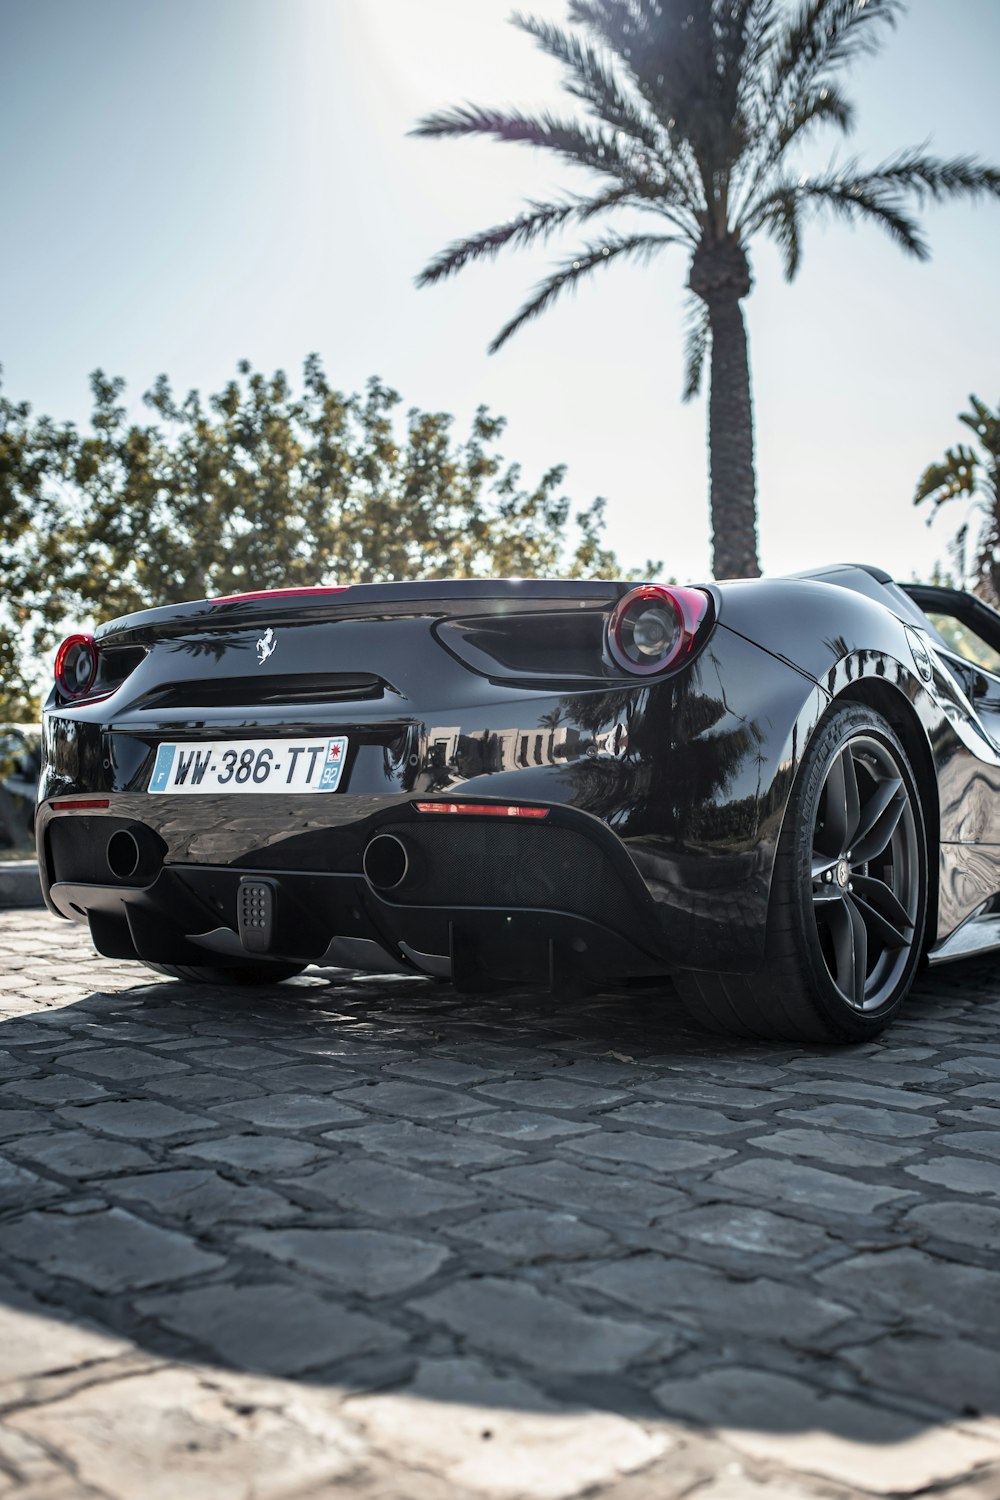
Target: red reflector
x,y
280,593
81,806
483,809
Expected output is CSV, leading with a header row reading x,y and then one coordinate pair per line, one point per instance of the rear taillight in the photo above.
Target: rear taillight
x,y
76,666
654,627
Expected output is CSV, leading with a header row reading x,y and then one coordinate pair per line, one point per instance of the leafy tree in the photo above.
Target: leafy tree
x,y
258,487
33,456
694,111
973,475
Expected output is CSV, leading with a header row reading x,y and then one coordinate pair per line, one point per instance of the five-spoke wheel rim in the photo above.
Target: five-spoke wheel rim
x,y
867,878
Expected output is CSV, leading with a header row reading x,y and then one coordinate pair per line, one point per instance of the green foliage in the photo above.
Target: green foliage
x,y
259,486
33,459
971,475
18,704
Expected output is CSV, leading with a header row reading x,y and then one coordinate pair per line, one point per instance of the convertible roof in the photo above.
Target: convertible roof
x,y
876,583
846,574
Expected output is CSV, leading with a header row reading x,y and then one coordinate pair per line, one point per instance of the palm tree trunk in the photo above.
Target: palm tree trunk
x,y
730,441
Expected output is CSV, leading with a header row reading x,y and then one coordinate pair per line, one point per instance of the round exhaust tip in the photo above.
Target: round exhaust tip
x,y
386,862
123,854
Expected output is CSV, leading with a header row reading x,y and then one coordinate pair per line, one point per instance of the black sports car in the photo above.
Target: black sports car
x,y
782,792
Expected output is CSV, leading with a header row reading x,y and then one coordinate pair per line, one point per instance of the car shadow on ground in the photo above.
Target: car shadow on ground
x,y
526,1203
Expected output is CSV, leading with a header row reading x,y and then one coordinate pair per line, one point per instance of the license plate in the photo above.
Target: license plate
x,y
249,766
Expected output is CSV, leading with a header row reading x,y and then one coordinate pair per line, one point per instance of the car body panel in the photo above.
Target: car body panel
x,y
670,790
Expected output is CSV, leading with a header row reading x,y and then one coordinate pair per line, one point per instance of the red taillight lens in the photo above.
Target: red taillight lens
x,y
654,627
76,666
484,809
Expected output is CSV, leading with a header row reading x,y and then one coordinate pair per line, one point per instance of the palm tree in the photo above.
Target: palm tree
x,y
694,111
974,476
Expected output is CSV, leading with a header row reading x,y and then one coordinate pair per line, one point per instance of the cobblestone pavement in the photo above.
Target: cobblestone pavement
x,y
359,1237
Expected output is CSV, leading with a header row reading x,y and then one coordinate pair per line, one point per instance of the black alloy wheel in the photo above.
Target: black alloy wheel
x,y
867,873
848,901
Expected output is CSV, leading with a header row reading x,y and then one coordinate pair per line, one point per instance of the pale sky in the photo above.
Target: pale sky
x,y
191,182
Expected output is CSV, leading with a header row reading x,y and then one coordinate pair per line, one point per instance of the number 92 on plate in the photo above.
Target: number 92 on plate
x,y
200,766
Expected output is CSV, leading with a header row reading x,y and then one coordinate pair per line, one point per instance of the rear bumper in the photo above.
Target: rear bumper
x,y
158,878
484,899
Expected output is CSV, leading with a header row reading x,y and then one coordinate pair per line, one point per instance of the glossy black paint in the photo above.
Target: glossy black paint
x,y
669,793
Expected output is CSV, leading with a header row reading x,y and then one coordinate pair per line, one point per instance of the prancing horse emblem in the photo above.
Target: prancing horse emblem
x,y
266,647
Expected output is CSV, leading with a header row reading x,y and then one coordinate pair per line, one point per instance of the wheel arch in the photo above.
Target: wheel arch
x,y
896,708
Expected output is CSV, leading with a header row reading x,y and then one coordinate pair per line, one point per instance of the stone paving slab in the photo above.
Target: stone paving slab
x,y
355,1236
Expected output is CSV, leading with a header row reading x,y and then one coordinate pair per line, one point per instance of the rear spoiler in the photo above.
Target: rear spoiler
x,y
440,598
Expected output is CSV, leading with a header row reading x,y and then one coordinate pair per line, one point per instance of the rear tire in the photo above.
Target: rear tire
x,y
235,974
848,900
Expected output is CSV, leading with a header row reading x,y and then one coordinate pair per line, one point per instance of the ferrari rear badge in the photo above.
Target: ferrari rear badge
x,y
266,646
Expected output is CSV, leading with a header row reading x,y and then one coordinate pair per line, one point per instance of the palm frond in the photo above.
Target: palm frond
x,y
979,416
762,17
955,475
823,36
537,222
696,336
853,200
589,78
879,194
665,51
821,105
783,224
929,177
986,425
740,34
846,194
597,149
652,176
570,272
623,26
